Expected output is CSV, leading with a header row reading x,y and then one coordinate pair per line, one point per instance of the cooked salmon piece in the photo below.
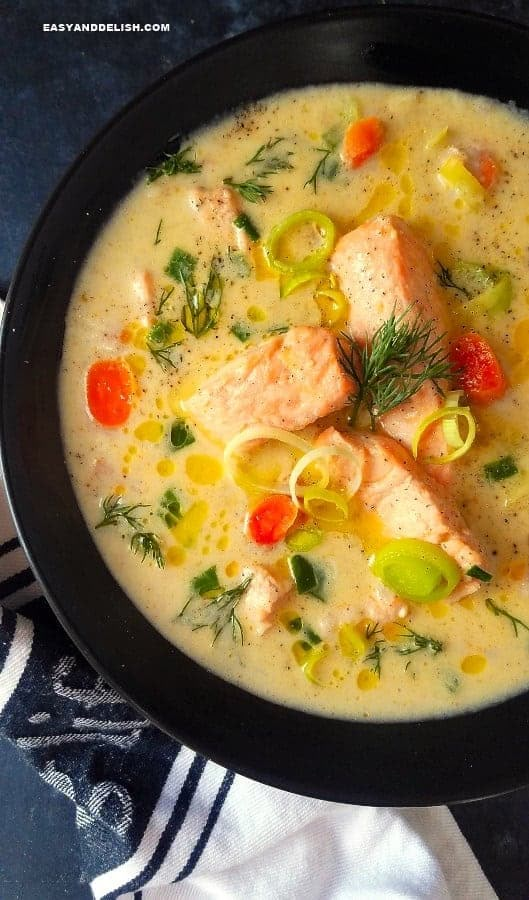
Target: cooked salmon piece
x,y
383,268
217,209
287,381
143,289
409,502
263,597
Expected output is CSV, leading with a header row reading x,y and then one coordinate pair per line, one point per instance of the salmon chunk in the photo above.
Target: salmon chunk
x,y
217,209
144,293
383,268
409,502
287,381
263,597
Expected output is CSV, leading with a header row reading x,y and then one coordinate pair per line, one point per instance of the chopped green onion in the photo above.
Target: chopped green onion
x,y
307,579
313,260
160,332
479,573
181,434
451,432
206,582
170,510
241,332
304,539
245,223
502,468
325,505
416,570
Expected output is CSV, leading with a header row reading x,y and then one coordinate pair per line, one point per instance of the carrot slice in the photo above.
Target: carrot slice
x,y
487,170
109,390
361,140
269,522
477,370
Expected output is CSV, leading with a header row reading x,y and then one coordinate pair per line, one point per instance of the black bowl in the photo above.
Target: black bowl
x,y
438,760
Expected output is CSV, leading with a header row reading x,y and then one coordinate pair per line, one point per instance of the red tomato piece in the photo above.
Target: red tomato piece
x,y
476,369
361,140
488,170
269,522
109,390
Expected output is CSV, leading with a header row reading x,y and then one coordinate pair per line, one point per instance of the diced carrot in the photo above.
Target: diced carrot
x,y
361,140
269,522
487,170
110,387
477,371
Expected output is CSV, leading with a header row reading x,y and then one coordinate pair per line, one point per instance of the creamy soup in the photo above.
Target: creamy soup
x,y
300,441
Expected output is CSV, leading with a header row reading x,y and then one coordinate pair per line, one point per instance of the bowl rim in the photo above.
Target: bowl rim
x,y
308,782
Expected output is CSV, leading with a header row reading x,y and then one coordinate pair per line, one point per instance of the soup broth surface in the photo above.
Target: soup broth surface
x,y
182,492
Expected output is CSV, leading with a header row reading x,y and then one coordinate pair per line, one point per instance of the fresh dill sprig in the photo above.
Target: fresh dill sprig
x,y
113,511
164,297
328,163
499,611
252,189
446,280
375,657
202,306
157,238
218,613
175,164
146,543
271,163
373,628
402,356
162,355
415,641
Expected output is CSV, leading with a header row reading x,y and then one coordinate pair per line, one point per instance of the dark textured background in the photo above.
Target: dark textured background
x,y
56,91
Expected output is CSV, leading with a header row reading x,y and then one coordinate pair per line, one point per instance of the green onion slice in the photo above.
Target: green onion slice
x,y
479,573
313,260
289,283
502,468
307,579
318,456
416,570
304,539
446,412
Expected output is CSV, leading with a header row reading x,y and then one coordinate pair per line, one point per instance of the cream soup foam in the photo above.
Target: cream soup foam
x,y
156,473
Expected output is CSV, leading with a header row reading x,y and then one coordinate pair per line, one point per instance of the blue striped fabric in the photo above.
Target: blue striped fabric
x,y
133,787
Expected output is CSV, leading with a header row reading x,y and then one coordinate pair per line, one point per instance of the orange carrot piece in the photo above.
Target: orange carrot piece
x,y
269,522
110,387
361,140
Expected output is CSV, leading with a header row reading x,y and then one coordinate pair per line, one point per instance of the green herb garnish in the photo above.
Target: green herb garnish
x,y
146,543
327,165
238,263
272,163
170,510
413,641
241,331
175,164
374,657
499,469
243,221
205,582
446,280
403,355
164,297
202,307
157,238
252,190
479,573
499,611
158,345
218,613
114,510
181,435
